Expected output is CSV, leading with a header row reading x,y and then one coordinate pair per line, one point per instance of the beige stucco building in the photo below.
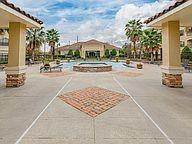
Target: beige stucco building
x,y
4,42
186,36
17,21
88,49
170,21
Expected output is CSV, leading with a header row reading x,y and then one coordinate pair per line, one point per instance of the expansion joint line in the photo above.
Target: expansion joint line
x,y
36,119
143,110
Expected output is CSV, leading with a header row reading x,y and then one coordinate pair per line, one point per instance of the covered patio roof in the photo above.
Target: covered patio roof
x,y
180,11
10,13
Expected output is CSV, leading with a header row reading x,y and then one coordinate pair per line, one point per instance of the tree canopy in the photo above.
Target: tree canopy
x,y
151,40
133,31
186,53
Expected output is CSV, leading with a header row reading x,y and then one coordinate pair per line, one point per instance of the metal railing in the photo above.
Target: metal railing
x,y
4,44
3,58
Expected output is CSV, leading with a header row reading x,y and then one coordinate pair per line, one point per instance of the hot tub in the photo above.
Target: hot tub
x,y
92,67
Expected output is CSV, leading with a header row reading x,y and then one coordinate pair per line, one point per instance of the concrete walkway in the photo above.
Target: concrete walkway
x,y
154,114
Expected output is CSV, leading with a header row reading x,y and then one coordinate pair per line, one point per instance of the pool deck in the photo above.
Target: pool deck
x,y
153,113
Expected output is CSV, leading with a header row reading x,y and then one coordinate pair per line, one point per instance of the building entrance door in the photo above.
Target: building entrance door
x,y
92,54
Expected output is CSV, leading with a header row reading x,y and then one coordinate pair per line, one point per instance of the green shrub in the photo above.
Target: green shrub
x,y
107,54
77,54
46,61
186,53
113,52
146,55
121,53
3,62
70,53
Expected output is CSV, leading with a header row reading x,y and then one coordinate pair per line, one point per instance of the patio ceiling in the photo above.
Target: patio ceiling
x,y
181,12
10,13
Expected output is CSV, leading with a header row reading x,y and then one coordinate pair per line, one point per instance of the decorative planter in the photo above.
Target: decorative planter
x,y
128,61
68,59
139,66
117,59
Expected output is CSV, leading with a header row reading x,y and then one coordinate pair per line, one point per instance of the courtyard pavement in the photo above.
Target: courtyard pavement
x,y
151,113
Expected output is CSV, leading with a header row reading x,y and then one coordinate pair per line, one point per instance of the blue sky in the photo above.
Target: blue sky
x,y
99,19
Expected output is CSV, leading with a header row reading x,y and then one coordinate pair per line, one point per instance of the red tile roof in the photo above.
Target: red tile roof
x,y
5,2
177,3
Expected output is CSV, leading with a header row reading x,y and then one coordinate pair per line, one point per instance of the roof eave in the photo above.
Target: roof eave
x,y
158,21
26,20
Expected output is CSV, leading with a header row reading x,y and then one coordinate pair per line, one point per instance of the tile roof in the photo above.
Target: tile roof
x,y
177,3
11,5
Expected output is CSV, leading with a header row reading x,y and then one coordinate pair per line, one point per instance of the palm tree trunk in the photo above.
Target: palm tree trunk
x,y
134,56
33,52
156,55
140,55
53,52
33,55
152,59
34,47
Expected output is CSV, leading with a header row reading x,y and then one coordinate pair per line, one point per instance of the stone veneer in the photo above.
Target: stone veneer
x,y
172,80
80,68
15,80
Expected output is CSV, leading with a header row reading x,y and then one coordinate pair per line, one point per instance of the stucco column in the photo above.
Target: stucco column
x,y
83,54
16,58
171,68
102,52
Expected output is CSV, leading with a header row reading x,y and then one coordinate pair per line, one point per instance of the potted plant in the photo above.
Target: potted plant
x,y
117,59
139,66
128,61
68,59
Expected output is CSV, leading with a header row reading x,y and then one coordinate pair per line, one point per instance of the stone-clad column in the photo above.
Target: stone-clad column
x,y
16,58
171,68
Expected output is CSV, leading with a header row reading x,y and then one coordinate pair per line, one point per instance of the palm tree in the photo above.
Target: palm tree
x,y
35,39
127,49
52,36
133,32
151,40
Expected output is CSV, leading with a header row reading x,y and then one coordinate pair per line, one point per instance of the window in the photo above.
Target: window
x,y
3,57
4,42
189,31
182,43
182,32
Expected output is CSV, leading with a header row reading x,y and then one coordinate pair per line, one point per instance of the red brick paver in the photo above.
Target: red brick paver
x,y
93,100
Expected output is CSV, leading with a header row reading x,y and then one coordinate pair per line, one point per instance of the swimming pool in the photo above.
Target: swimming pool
x,y
69,65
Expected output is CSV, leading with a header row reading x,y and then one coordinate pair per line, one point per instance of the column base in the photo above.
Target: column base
x,y
172,80
15,80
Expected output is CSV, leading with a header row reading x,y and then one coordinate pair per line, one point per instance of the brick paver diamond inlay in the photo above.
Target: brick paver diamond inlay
x,y
93,100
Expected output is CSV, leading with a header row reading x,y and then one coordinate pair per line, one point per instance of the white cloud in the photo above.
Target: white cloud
x,y
104,29
108,30
132,11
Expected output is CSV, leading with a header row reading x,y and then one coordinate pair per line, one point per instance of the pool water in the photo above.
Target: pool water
x,y
69,65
